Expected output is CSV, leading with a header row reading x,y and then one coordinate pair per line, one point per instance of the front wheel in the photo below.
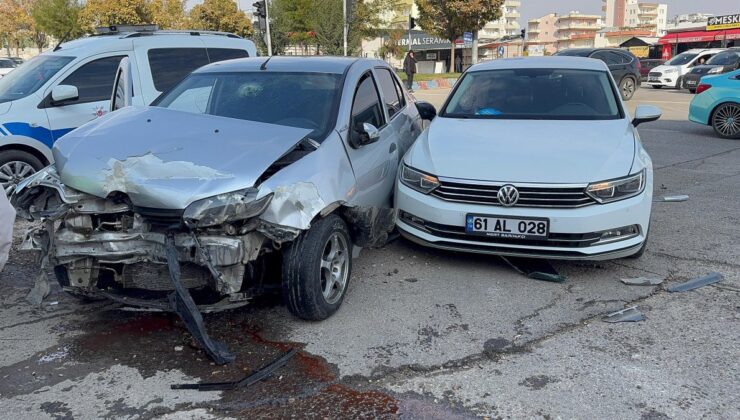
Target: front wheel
x,y
627,88
317,268
726,121
16,165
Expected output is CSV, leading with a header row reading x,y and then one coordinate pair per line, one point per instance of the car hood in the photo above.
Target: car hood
x,y
663,68
168,159
703,69
531,151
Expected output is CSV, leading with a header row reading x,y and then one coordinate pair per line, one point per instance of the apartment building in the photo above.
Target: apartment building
x,y
507,25
636,14
543,32
577,30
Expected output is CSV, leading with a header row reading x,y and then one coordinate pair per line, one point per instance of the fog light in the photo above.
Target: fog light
x,y
619,234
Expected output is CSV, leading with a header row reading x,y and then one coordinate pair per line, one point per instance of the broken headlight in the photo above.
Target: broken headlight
x,y
417,180
617,189
229,207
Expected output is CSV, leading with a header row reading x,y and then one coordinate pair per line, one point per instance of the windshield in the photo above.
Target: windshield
x,y
304,100
537,94
721,59
30,76
681,59
7,64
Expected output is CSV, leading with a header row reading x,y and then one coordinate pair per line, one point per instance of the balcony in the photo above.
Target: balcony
x,y
512,3
514,14
533,30
576,25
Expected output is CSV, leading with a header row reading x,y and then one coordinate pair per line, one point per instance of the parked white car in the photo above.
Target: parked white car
x,y
533,157
671,73
60,90
6,66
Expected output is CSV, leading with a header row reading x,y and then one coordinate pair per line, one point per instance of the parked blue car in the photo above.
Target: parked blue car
x,y
717,103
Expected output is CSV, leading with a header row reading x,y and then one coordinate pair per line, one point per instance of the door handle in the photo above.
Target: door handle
x,y
393,148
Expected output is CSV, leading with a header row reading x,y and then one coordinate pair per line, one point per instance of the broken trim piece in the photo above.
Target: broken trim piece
x,y
710,278
630,314
182,303
260,374
534,268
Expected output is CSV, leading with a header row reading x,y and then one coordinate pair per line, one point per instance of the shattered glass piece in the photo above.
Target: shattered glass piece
x,y
535,268
674,198
182,303
625,315
642,281
697,283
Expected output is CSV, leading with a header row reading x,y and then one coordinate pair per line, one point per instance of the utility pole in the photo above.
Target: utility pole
x,y
263,18
267,25
344,25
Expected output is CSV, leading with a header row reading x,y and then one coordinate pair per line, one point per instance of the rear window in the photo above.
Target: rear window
x,y
170,65
221,54
537,94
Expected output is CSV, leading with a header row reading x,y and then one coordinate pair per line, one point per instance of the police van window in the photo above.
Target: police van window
x,y
170,65
390,93
94,80
221,54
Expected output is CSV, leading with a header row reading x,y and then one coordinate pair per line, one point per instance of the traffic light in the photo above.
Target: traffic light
x,y
412,23
260,9
524,32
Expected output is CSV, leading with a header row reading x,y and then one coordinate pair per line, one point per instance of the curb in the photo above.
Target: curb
x,y
434,84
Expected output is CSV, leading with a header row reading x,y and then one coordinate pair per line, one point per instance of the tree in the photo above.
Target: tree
x,y
449,19
392,45
291,22
168,14
114,12
220,15
58,18
16,25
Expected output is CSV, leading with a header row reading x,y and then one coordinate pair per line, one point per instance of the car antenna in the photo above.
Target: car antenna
x,y
62,39
264,65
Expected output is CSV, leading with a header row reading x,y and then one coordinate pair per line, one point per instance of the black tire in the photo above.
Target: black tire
x,y
721,120
304,279
693,91
8,156
627,88
679,82
657,86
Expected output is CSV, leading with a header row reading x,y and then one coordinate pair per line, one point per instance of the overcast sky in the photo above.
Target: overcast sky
x,y
532,9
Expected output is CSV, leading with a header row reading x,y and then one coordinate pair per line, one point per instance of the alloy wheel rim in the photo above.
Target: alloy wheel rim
x,y
727,120
334,270
628,88
13,172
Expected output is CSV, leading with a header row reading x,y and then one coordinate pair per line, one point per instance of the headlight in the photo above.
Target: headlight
x,y
669,71
418,180
715,70
229,207
617,189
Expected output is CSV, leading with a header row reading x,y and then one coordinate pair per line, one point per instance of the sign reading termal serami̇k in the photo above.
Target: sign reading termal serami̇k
x,y
717,23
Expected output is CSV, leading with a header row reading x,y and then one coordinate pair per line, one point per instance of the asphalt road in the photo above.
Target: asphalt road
x,y
428,334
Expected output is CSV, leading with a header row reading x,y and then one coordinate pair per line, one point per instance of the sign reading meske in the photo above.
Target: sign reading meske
x,y
717,23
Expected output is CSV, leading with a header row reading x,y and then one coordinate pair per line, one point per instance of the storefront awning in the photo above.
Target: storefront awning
x,y
699,36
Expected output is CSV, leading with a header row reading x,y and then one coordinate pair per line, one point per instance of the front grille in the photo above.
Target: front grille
x,y
559,240
571,197
160,217
655,74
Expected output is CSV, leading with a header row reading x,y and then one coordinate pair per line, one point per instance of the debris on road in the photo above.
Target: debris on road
x,y
251,379
534,268
625,315
40,291
642,281
697,283
673,198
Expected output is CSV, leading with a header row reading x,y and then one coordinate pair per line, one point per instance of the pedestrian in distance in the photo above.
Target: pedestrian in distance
x,y
409,67
458,64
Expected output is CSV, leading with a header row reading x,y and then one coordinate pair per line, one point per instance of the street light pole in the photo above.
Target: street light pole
x,y
344,25
267,27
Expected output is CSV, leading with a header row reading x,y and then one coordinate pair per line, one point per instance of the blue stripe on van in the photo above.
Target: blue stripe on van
x,y
2,131
42,134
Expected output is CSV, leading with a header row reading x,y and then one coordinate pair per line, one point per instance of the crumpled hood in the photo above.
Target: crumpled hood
x,y
531,151
168,159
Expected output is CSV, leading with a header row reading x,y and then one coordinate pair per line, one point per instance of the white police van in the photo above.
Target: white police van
x,y
59,90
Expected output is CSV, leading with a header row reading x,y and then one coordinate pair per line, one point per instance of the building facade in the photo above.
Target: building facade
x,y
542,33
636,14
507,25
577,30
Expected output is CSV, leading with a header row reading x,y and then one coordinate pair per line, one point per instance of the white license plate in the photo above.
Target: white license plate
x,y
690,83
507,227
653,80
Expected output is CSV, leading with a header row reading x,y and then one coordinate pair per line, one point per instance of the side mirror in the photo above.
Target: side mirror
x,y
426,110
646,113
62,93
362,136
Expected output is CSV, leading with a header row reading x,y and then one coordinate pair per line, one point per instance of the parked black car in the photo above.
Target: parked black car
x,y
624,66
647,64
723,62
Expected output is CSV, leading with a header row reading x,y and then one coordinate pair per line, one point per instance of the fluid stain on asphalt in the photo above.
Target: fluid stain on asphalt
x,y
307,384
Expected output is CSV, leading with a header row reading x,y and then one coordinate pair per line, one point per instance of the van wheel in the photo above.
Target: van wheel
x,y
317,268
627,88
15,165
726,121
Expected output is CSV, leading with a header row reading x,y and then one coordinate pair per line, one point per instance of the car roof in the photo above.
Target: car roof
x,y
701,50
124,41
298,64
551,62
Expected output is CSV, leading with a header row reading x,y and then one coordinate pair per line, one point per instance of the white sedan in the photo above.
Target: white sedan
x,y
533,157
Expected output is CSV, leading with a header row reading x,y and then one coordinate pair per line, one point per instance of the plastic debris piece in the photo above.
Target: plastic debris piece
x,y
260,374
642,281
625,315
710,278
40,289
535,268
674,198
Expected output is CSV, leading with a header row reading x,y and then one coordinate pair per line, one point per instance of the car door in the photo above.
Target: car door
x,y
371,163
94,82
404,127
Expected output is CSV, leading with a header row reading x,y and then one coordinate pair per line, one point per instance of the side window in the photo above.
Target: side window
x,y
366,106
390,91
94,80
221,54
623,58
399,89
600,55
170,65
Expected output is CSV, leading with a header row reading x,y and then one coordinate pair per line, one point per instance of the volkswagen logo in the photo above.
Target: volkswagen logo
x,y
508,195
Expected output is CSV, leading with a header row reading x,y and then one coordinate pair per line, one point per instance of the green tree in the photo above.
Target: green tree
x,y
58,18
114,12
291,22
449,19
220,15
168,14
16,25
